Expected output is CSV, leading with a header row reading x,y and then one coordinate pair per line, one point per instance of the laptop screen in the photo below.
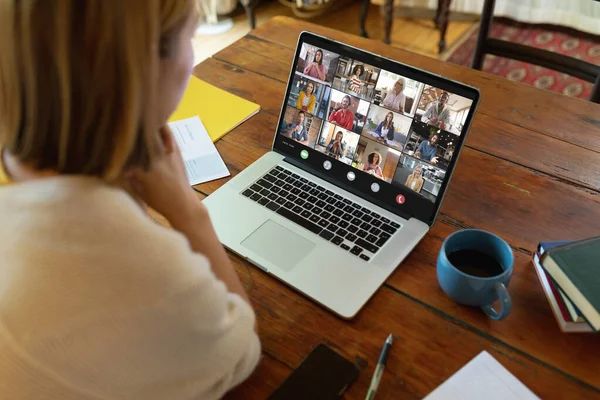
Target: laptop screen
x,y
386,130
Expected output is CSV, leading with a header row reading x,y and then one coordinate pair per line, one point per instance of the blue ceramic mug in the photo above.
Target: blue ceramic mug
x,y
473,289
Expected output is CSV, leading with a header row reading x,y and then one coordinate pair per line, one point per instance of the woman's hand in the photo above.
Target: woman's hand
x,y
165,186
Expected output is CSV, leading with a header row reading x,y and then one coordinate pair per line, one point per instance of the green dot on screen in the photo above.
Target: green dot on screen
x,y
304,154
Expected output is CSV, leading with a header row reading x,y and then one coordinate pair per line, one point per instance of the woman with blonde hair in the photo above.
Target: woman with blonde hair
x,y
96,299
395,99
415,180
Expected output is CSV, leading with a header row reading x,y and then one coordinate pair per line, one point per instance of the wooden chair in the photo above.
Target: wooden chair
x,y
558,62
440,20
306,11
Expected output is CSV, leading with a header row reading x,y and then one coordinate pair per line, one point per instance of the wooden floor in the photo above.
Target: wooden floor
x,y
415,34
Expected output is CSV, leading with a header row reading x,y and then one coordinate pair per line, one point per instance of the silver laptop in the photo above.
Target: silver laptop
x,y
361,158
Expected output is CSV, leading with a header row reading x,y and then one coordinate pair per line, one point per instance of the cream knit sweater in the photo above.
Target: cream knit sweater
x,y
97,301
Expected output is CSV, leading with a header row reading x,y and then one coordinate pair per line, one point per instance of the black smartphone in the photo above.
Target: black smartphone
x,y
323,375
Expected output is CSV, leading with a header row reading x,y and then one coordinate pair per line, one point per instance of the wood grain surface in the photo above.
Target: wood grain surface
x,y
529,172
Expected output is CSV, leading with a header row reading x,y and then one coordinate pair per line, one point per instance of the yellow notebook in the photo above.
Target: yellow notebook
x,y
219,110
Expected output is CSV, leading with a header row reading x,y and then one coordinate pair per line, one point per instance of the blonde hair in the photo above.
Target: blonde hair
x,y
78,81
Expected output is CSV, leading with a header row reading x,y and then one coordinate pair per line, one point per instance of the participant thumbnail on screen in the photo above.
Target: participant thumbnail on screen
x,y
356,78
431,145
419,176
308,95
398,93
387,127
337,143
376,159
317,63
347,111
443,110
300,126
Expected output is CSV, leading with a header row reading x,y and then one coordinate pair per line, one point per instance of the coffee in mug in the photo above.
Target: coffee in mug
x,y
474,268
475,262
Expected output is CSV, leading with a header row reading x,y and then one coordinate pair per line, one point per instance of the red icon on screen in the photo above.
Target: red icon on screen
x,y
400,199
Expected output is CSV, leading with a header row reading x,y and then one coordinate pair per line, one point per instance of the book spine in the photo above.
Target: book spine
x,y
557,286
560,311
575,314
557,306
572,268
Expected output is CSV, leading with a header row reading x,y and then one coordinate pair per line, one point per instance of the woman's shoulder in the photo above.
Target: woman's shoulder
x,y
86,210
103,226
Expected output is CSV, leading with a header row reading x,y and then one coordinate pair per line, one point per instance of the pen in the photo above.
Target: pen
x,y
379,368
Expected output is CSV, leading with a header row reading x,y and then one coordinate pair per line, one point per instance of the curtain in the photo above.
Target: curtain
x,y
583,15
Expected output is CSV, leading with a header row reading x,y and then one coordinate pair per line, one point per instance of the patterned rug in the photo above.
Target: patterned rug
x,y
585,47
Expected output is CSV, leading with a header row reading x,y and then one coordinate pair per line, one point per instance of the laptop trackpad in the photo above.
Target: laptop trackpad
x,y
278,245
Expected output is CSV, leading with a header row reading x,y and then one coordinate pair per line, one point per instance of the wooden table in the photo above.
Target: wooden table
x,y
530,171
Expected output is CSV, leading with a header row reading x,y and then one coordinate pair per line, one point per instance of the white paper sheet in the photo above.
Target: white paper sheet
x,y
203,162
482,378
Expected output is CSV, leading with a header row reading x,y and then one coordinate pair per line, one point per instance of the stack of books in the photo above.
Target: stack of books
x,y
570,275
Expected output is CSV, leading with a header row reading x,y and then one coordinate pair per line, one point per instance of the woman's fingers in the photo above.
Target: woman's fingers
x,y
168,140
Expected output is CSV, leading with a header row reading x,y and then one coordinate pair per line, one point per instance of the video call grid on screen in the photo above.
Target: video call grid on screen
x,y
397,129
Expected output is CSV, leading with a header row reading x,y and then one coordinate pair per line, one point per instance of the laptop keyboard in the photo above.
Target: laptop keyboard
x,y
337,219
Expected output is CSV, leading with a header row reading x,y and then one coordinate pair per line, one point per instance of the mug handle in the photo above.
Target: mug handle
x,y
505,303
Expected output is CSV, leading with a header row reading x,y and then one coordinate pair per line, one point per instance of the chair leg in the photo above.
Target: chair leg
x,y
484,31
436,19
595,97
364,11
443,22
389,15
250,13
